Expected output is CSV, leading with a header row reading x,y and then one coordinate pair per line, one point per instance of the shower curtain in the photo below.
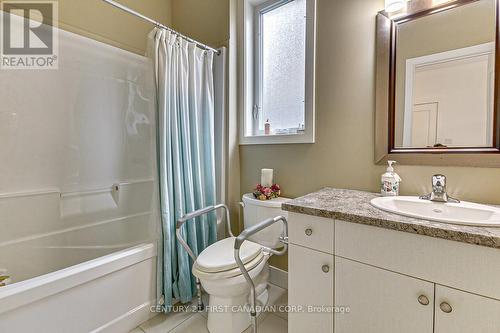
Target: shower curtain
x,y
185,146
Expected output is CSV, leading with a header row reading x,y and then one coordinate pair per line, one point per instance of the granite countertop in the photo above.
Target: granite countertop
x,y
354,206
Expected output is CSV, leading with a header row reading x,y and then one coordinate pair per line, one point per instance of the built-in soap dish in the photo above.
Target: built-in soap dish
x,y
90,201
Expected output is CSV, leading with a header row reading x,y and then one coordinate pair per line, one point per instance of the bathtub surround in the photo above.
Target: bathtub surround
x,y
77,157
186,157
77,191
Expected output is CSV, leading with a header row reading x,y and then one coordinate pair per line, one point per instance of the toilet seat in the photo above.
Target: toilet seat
x,y
217,261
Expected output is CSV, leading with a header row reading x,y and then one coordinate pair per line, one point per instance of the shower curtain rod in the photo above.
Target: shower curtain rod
x,y
158,24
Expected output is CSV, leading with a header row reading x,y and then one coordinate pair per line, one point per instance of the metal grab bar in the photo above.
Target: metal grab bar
x,y
237,245
190,216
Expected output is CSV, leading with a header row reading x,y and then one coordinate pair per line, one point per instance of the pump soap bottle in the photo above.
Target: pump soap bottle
x,y
390,181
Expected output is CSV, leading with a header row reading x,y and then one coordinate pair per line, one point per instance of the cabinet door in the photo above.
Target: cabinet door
x,y
381,301
310,284
458,311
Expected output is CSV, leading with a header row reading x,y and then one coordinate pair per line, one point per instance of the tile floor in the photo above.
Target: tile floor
x,y
191,322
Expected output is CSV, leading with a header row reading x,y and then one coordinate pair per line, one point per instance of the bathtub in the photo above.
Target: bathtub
x,y
111,293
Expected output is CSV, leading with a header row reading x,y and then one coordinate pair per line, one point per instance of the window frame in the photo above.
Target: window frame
x,y
251,24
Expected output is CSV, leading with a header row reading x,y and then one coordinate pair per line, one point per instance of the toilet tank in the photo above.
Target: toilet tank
x,y
256,211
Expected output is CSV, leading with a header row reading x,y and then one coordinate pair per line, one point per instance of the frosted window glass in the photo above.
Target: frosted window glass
x,y
283,66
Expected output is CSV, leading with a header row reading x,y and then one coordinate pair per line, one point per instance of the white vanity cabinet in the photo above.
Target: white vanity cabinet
x,y
391,281
310,274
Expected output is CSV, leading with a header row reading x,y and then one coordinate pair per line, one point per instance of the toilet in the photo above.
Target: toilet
x,y
221,278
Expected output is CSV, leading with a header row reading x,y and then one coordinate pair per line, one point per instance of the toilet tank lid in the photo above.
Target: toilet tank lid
x,y
249,199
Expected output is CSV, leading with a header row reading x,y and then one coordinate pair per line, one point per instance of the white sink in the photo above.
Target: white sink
x,y
466,213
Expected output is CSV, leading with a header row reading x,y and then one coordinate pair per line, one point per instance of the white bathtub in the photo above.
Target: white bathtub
x,y
112,293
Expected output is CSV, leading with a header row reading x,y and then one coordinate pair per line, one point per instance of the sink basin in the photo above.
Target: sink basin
x,y
465,213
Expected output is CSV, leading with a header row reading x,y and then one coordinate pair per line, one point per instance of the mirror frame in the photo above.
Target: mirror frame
x,y
385,95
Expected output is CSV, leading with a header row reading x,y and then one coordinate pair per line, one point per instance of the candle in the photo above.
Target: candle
x,y
266,177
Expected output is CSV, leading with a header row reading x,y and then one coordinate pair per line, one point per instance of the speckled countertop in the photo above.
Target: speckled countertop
x,y
354,206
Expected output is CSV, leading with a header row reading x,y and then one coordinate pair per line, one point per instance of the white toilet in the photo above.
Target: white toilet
x,y
222,279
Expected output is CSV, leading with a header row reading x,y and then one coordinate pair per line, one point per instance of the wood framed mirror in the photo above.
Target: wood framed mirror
x,y
438,83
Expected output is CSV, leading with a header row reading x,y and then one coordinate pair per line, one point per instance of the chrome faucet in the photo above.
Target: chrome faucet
x,y
438,193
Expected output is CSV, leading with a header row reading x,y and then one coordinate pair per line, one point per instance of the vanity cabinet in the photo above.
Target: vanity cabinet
x,y
390,281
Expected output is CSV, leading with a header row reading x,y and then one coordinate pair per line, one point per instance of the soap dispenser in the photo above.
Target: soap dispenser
x,y
390,181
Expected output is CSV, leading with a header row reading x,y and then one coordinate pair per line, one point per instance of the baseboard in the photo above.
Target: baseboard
x,y
278,277
128,321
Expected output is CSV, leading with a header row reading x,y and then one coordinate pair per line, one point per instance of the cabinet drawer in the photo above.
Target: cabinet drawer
x,y
313,232
310,283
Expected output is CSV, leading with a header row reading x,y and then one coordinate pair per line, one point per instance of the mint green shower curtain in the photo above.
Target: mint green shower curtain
x,y
185,150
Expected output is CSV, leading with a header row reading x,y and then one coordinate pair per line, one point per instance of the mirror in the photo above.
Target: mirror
x,y
445,69
442,86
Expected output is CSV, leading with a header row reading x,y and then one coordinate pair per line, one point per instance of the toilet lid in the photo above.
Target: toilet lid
x,y
220,255
255,263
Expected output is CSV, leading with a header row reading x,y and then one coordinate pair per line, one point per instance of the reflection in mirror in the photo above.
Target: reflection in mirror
x,y
444,81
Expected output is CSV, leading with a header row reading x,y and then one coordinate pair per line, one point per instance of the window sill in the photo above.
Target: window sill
x,y
277,139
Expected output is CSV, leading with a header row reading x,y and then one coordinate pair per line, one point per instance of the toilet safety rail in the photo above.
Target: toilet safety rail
x,y
237,245
190,216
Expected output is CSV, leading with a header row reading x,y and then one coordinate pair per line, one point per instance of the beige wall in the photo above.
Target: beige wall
x,y
105,23
203,20
343,153
345,105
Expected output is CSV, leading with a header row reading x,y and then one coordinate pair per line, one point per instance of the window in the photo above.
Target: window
x,y
279,72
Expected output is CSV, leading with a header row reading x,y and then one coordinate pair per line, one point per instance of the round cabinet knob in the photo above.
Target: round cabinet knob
x,y
445,307
325,268
422,299
309,231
